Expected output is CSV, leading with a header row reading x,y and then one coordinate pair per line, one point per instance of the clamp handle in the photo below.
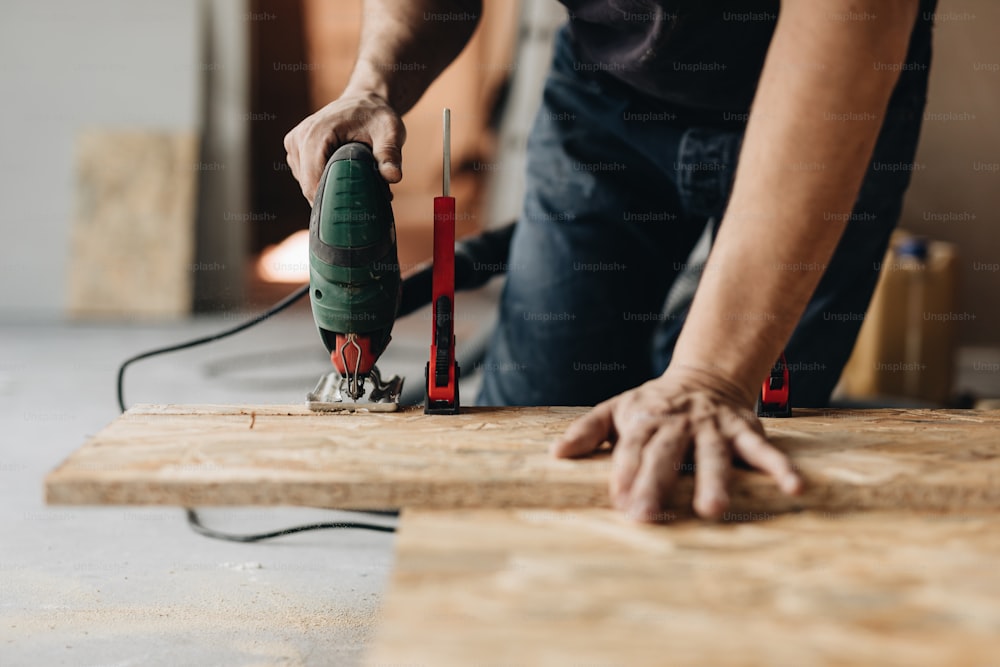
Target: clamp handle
x,y
774,399
442,372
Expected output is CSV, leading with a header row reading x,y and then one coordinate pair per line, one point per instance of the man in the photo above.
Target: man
x,y
646,114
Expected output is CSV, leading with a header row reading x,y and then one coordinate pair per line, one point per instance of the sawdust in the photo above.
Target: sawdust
x,y
248,622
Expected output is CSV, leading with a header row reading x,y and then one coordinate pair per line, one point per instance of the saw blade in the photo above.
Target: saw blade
x,y
330,394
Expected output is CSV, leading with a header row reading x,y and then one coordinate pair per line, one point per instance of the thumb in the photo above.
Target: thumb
x,y
388,136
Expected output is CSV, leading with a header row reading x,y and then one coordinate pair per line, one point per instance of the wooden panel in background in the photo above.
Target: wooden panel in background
x,y
586,587
945,460
132,245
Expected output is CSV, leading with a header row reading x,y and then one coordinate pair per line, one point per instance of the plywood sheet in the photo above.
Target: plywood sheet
x,y
133,234
585,587
497,457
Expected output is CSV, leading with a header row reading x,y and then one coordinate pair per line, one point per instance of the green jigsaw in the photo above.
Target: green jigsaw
x,y
354,281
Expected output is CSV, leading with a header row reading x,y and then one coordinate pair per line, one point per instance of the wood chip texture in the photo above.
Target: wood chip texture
x,y
554,588
498,457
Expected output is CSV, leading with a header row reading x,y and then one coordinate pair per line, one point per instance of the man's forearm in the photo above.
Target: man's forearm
x,y
406,44
822,95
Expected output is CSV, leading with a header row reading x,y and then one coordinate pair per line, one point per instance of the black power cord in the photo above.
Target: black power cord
x,y
194,522
477,260
198,527
243,326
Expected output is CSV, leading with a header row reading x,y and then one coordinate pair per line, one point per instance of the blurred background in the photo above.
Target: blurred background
x,y
145,178
146,200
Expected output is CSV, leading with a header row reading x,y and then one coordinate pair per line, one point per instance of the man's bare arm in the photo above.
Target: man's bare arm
x,y
826,83
405,45
819,68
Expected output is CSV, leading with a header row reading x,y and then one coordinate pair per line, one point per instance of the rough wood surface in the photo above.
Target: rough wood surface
x,y
585,587
497,457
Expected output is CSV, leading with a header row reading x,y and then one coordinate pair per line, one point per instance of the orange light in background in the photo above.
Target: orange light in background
x,y
286,262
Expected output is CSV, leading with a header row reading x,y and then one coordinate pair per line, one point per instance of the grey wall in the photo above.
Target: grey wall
x,y
225,100
66,65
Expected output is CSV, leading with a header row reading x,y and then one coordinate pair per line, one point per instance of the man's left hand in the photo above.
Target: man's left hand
x,y
652,428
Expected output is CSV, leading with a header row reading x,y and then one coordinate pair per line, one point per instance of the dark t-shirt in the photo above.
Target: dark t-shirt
x,y
698,54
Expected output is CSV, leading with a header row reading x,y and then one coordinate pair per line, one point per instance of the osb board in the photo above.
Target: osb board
x,y
132,246
497,457
586,587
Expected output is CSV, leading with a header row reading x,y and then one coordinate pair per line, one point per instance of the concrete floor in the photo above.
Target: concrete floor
x,y
135,586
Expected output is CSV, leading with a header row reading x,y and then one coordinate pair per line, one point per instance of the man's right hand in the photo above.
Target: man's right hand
x,y
365,118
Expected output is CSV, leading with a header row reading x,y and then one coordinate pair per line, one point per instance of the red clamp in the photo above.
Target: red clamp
x,y
442,372
775,393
